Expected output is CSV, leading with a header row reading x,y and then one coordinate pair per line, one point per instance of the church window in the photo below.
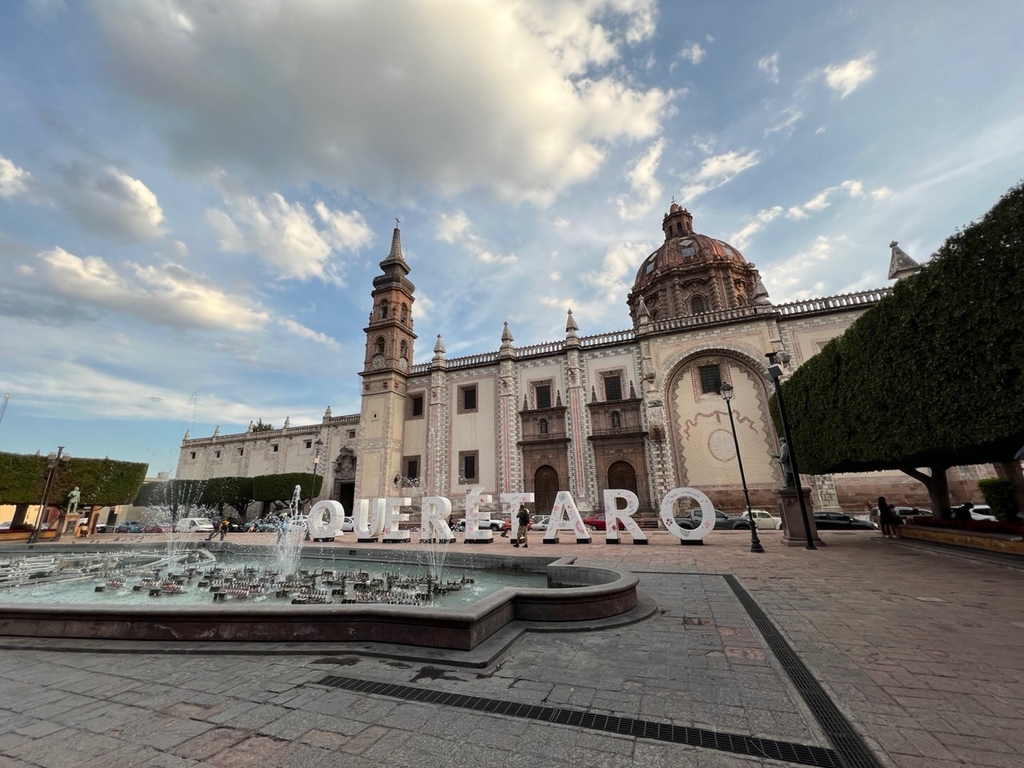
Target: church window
x,y
378,346
543,395
616,420
351,434
216,454
309,444
650,265
467,398
415,410
613,387
710,379
241,451
404,351
383,309
542,426
193,454
411,467
697,305
273,448
688,251
405,312
468,461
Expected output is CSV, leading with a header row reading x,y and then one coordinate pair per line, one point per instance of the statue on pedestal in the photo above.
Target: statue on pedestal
x,y
789,479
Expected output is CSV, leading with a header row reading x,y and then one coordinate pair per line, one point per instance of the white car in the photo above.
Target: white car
x,y
193,525
764,520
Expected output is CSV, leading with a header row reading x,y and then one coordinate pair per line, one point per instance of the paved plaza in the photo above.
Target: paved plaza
x,y
869,652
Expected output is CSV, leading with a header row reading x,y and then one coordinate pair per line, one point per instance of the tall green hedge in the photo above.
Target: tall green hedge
x,y
932,376
233,491
102,482
281,487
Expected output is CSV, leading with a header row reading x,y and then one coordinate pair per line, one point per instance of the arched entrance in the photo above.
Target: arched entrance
x,y
622,475
345,479
545,488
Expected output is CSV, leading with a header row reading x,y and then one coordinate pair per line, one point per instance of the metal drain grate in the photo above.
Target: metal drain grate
x,y
850,748
801,754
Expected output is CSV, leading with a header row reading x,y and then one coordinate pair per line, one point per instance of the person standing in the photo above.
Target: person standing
x,y
885,521
523,518
224,525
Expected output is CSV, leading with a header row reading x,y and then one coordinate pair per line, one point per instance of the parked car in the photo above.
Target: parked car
x,y
982,512
193,525
263,525
128,527
155,528
539,522
764,520
722,520
834,521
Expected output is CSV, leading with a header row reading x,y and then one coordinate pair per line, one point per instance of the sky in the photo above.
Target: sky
x,y
195,195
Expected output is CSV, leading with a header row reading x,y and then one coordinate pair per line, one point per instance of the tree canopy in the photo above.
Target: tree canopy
x,y
932,376
102,482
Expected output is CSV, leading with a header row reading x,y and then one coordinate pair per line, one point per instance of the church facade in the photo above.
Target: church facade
x,y
636,409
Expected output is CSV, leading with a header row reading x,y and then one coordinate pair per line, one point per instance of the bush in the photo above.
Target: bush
x,y
1000,496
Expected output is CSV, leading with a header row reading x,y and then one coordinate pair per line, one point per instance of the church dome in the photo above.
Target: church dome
x,y
692,274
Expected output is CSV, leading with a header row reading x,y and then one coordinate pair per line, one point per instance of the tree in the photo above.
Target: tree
x,y
282,487
259,426
233,491
933,375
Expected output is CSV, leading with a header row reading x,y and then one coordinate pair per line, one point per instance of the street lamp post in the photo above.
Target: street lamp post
x,y
316,464
53,463
726,391
775,374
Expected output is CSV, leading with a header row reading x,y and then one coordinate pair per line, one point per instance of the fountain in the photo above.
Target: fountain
x,y
293,531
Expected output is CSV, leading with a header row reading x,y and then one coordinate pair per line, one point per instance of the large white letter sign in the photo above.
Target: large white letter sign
x,y
325,519
616,519
368,529
475,518
707,517
393,519
434,514
565,507
512,501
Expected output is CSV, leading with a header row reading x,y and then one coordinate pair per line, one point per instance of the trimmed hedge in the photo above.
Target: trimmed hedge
x,y
281,487
932,376
999,495
236,492
102,482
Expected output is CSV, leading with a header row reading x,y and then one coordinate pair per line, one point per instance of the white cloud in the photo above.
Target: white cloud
x,y
787,119
844,79
456,228
13,180
693,53
309,90
770,66
741,239
716,171
789,280
560,223
822,200
307,333
614,279
169,295
112,203
285,236
644,183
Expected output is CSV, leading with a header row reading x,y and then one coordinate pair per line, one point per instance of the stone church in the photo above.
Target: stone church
x,y
637,409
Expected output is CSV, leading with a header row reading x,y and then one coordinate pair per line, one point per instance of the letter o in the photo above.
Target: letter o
x,y
668,519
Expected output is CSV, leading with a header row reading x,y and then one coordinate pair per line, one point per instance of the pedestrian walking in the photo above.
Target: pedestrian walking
x,y
523,518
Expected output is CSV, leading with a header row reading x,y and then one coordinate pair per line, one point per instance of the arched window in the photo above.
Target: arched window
x,y
543,426
697,305
378,346
405,312
383,309
616,420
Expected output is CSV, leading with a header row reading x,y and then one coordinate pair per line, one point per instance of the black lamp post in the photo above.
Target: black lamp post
x,y
53,462
775,374
726,391
316,464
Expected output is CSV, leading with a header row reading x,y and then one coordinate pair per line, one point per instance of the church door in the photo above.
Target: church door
x,y
545,488
622,475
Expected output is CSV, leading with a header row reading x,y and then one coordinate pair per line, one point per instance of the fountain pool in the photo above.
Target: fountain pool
x,y
523,589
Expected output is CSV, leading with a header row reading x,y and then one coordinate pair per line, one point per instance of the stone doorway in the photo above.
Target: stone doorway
x,y
545,488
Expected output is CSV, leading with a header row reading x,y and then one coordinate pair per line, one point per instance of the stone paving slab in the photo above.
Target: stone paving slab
x,y
918,648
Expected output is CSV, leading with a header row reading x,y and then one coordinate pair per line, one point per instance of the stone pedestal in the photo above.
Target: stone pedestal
x,y
793,533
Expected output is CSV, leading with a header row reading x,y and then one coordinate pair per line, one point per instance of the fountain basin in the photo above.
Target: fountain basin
x,y
574,593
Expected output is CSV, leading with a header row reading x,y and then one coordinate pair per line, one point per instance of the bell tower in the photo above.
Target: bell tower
x,y
389,351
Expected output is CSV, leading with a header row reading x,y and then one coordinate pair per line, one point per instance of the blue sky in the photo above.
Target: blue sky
x,y
195,196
